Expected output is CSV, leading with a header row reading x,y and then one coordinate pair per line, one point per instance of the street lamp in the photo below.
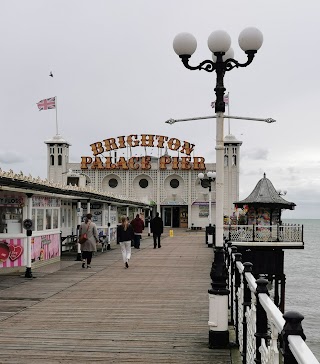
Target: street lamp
x,y
219,41
206,181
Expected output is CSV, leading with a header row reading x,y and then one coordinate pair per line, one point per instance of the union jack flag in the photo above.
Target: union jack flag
x,y
47,104
225,99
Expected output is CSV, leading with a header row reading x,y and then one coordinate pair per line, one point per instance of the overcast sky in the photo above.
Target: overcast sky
x,y
115,73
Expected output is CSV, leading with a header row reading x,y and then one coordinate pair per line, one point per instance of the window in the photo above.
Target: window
x,y
174,183
40,214
143,183
52,160
69,217
55,218
234,160
48,218
113,183
226,161
59,160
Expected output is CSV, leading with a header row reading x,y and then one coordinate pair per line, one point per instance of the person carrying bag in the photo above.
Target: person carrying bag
x,y
88,229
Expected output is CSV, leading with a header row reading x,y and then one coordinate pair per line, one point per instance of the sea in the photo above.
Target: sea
x,y
302,270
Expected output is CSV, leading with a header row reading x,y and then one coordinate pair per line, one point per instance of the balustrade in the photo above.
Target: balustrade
x,y
260,233
263,333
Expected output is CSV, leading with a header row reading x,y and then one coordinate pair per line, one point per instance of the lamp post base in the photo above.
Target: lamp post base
x,y
218,339
218,302
28,273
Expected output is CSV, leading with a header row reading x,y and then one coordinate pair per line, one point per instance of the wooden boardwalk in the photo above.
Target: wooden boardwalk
x,y
154,312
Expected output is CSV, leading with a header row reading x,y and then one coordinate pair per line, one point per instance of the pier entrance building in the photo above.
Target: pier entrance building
x,y
159,170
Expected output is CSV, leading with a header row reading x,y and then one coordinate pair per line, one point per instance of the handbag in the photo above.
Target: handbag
x,y
83,237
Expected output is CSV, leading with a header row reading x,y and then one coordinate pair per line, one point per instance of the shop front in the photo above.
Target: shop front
x,y
45,240
175,216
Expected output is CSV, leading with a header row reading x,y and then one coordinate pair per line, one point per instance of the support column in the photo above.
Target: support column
x,y
218,294
109,226
28,273
149,222
88,207
79,215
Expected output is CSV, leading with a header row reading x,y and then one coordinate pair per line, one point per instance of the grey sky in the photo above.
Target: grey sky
x,y
115,73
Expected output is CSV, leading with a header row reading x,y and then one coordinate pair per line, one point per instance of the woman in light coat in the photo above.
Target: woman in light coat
x,y
90,245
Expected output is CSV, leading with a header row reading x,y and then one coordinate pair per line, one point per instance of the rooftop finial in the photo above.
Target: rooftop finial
x,y
264,175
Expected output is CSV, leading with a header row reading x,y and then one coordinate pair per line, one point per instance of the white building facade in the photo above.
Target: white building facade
x,y
169,183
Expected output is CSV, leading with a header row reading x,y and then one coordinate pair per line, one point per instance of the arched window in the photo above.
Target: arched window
x,y
51,160
59,160
226,161
234,160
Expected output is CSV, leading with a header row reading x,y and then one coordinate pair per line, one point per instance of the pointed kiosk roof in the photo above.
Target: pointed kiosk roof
x,y
265,195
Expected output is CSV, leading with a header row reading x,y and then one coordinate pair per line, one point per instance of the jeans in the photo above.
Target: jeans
x,y
155,238
125,250
137,239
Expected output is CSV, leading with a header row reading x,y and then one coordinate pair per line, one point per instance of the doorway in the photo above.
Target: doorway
x,y
167,218
175,216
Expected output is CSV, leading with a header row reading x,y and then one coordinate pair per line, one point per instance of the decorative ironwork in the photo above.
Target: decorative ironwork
x,y
259,233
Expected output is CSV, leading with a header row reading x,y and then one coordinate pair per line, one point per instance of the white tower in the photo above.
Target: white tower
x,y
57,158
231,172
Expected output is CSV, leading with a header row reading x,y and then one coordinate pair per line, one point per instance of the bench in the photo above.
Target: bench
x,y
68,242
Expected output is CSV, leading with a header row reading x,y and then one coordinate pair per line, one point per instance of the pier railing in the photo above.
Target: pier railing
x,y
264,335
261,233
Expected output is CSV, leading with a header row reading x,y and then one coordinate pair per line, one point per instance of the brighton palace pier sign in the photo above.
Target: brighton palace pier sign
x,y
100,162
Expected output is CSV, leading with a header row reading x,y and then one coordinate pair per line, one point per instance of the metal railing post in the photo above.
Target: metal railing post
x,y
246,303
291,327
237,282
262,320
231,283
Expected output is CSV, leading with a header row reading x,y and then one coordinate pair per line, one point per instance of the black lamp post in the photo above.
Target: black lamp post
x,y
206,180
185,44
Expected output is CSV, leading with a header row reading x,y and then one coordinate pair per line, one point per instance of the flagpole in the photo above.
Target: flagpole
x,y
56,102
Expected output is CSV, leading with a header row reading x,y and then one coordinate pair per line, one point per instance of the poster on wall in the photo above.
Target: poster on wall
x,y
45,247
203,210
11,253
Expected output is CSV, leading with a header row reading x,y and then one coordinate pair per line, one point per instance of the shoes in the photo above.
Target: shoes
x,y
159,246
88,266
127,265
154,247
83,265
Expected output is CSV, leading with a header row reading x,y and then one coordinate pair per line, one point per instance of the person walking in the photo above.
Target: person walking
x,y
90,245
138,226
124,236
156,226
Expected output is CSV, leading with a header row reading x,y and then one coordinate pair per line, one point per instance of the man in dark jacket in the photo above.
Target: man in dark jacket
x,y
156,226
138,226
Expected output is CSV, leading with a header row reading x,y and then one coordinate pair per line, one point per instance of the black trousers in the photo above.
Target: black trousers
x,y
155,239
87,256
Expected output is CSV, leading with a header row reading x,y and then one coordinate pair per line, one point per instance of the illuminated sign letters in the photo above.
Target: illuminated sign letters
x,y
101,162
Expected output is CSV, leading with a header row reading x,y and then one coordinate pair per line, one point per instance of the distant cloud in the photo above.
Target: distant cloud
x,y
255,154
10,157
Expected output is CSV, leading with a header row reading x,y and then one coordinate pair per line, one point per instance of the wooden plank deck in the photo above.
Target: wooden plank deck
x,y
154,312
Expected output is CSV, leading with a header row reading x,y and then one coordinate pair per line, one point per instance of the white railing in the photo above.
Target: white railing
x,y
261,233
276,323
